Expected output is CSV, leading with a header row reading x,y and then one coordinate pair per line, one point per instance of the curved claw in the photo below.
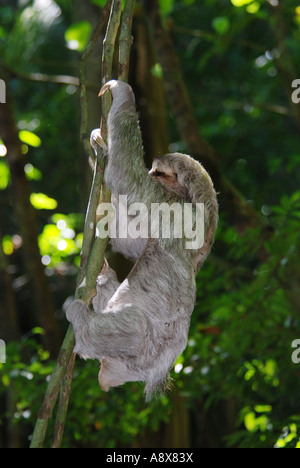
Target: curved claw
x,y
121,92
97,140
109,85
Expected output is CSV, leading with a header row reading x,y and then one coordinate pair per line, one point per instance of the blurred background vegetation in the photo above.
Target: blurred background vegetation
x,y
236,384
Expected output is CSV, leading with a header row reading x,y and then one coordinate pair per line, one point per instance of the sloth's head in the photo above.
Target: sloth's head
x,y
186,177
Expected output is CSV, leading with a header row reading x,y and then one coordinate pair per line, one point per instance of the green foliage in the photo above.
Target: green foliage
x,y
59,242
32,173
40,201
30,138
4,175
78,35
221,25
100,3
23,381
166,6
242,333
95,419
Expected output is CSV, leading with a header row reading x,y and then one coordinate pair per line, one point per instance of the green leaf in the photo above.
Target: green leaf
x,y
2,33
4,175
263,408
6,380
100,3
157,71
188,2
253,424
78,35
7,245
253,7
38,331
30,138
40,201
166,6
221,25
32,173
240,3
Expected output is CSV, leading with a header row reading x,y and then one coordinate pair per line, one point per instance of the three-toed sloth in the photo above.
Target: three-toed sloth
x,y
139,327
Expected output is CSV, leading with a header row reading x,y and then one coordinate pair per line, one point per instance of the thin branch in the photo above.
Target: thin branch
x,y
110,40
83,85
64,360
90,221
125,40
63,403
45,78
212,37
45,413
42,77
107,59
93,250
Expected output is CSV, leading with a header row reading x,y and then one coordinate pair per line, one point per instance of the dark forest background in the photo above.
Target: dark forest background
x,y
220,89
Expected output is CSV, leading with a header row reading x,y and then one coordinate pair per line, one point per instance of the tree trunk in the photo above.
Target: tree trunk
x,y
26,217
150,94
9,329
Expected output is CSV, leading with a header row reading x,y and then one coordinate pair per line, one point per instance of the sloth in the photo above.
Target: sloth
x,y
137,328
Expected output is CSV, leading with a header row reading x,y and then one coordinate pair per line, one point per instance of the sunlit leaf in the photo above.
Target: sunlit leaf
x,y
253,7
32,173
249,421
30,138
40,201
38,331
254,423
7,245
6,380
78,35
289,434
240,3
263,408
4,175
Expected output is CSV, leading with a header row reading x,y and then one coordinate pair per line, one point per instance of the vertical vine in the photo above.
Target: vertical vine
x,y
93,247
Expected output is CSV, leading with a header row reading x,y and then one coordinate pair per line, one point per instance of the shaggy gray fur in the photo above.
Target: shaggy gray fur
x,y
138,328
